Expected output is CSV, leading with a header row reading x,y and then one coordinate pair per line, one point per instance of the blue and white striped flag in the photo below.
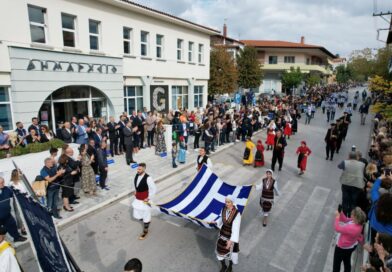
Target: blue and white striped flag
x,y
204,198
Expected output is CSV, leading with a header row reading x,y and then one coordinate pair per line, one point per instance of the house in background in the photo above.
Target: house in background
x,y
232,46
279,56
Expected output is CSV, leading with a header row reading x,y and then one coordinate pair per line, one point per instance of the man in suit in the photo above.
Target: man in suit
x,y
98,138
22,133
35,126
81,132
122,123
141,124
91,151
102,165
59,134
66,133
75,166
113,136
129,132
278,151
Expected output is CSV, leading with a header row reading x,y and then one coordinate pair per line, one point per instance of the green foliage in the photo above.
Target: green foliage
x,y
313,79
292,78
250,74
223,72
32,148
343,74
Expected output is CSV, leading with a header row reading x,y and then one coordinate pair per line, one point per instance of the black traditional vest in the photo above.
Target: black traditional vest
x,y
203,161
143,186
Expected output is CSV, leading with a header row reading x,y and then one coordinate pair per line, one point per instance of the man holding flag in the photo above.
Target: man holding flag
x,y
145,189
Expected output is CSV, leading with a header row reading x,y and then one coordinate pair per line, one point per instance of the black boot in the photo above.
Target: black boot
x,y
224,267
230,268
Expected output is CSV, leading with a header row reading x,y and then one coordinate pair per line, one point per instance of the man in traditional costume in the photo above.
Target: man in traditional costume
x,y
8,261
330,139
145,189
203,159
278,151
268,187
227,245
303,152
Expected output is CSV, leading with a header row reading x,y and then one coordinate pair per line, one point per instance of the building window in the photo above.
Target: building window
x,y
201,53
179,97
133,98
94,34
144,37
160,40
198,92
289,59
273,60
127,33
5,108
307,61
69,30
190,52
180,44
38,27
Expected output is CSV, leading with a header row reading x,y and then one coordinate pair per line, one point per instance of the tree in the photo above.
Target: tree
x,y
292,78
250,74
223,72
383,89
343,74
313,79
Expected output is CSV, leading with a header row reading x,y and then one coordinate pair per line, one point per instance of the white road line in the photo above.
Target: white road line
x,y
288,192
299,233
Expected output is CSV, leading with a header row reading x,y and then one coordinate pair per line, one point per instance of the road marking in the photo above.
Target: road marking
x,y
298,235
288,192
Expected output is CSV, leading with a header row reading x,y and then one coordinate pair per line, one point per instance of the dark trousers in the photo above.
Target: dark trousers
x,y
174,161
350,196
342,255
141,139
150,138
122,146
339,144
128,153
10,225
103,174
330,150
277,156
332,115
323,108
196,141
113,146
328,115
52,199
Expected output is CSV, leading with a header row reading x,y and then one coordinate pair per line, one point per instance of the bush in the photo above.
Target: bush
x,y
32,148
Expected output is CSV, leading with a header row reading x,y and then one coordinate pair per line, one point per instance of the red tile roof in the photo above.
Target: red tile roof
x,y
284,44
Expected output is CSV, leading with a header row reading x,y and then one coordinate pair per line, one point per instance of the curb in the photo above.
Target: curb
x,y
90,211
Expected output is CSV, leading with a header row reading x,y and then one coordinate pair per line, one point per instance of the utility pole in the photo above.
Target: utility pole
x,y
389,21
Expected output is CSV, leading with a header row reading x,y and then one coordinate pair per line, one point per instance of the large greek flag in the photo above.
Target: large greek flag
x,y
204,198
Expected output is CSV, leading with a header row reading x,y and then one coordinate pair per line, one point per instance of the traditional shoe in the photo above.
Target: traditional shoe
x,y
264,225
143,236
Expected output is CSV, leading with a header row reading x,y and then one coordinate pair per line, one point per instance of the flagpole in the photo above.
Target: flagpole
x,y
74,265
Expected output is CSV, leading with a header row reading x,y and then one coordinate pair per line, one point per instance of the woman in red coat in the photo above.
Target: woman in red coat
x,y
303,152
287,130
270,139
259,157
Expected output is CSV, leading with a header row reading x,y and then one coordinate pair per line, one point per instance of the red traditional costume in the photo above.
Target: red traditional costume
x,y
287,129
259,157
303,152
270,138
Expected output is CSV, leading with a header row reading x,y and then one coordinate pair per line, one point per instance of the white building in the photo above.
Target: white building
x,y
60,58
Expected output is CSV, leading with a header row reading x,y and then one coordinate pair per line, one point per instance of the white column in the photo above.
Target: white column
x,y
191,94
146,91
168,137
90,103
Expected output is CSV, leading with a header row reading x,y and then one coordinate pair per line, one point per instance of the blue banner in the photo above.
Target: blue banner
x,y
44,236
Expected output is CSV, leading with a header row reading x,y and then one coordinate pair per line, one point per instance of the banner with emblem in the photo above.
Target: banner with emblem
x,y
45,240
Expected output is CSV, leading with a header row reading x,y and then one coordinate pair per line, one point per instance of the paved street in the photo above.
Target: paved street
x,y
297,238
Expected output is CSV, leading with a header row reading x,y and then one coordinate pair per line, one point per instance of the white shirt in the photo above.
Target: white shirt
x,y
209,162
19,186
184,128
8,262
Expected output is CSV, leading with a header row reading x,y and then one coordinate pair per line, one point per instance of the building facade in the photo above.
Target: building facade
x,y
279,56
60,58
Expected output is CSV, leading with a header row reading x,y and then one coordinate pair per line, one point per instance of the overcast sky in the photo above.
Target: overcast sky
x,y
339,25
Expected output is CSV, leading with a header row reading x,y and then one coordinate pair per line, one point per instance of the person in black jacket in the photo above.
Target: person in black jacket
x,y
122,122
330,140
75,166
278,150
66,133
91,151
102,165
113,136
128,133
59,134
